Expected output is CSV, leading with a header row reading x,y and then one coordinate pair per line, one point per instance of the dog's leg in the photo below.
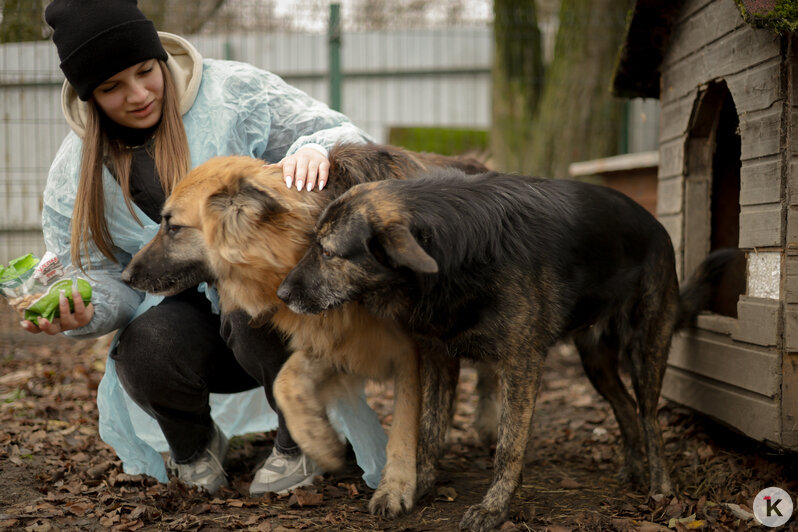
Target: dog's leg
x,y
397,489
519,386
600,361
488,404
302,390
439,375
649,346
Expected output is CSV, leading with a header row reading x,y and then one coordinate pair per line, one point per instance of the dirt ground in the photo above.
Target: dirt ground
x,y
56,474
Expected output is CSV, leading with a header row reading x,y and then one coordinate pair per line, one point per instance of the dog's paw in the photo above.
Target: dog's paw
x,y
479,518
393,498
330,460
633,474
426,478
661,487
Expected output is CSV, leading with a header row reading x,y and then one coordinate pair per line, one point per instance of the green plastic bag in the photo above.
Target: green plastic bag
x,y
47,307
32,286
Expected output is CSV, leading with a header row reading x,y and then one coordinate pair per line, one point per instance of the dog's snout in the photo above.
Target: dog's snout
x,y
284,292
127,275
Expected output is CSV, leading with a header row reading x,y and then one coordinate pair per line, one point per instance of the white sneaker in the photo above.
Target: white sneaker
x,y
281,473
206,472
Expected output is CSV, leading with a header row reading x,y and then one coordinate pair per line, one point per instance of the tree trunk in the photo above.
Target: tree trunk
x,y
573,116
183,18
22,21
578,117
517,82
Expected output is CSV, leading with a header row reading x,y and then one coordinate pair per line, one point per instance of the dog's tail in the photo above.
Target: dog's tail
x,y
723,269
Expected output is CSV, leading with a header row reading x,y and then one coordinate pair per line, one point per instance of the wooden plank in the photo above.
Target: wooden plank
x,y
758,88
697,190
673,225
736,52
761,133
753,415
793,146
760,181
792,178
692,7
717,357
616,163
761,226
670,195
675,118
671,158
789,400
716,323
793,68
759,321
702,28
792,228
791,328
790,294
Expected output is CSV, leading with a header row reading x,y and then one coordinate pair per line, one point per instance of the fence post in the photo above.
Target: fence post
x,y
334,45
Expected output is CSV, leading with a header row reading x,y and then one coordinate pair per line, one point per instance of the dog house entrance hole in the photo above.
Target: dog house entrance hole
x,y
712,189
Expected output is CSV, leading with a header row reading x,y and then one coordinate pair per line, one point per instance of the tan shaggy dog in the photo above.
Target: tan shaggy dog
x,y
232,222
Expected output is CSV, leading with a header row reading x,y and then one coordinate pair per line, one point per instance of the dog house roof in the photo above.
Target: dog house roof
x,y
648,32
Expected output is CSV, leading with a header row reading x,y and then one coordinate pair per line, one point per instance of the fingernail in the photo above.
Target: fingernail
x,y
288,182
23,324
61,294
321,185
310,186
299,184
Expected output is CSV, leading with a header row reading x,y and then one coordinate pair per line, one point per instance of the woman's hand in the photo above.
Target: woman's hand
x,y
306,167
69,320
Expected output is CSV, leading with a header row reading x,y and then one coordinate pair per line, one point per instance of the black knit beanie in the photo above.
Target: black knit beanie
x,y
99,38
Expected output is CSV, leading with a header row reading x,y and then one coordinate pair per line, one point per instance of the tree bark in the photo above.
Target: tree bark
x,y
183,18
22,21
579,118
574,116
517,82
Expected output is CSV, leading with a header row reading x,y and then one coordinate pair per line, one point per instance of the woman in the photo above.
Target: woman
x,y
144,108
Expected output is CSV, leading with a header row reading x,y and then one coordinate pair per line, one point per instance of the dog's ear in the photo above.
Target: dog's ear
x,y
404,250
238,210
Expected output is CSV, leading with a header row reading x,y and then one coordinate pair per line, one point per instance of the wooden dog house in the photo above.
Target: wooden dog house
x,y
726,75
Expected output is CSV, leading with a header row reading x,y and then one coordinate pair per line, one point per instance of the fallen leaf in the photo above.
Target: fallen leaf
x,y
738,511
652,527
674,509
303,498
351,489
570,484
705,452
446,493
78,508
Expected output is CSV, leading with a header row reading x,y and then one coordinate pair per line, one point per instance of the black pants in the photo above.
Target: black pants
x,y
174,355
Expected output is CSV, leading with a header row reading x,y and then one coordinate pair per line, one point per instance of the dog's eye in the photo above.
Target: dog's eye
x,y
326,253
173,229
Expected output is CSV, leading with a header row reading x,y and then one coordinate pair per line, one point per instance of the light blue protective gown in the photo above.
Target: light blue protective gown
x,y
237,110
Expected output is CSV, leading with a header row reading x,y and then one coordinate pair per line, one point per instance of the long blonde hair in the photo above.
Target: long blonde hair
x,y
172,161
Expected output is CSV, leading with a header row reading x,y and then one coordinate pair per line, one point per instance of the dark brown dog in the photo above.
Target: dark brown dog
x,y
231,221
499,268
